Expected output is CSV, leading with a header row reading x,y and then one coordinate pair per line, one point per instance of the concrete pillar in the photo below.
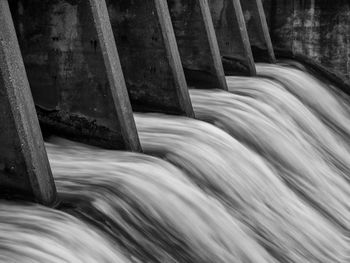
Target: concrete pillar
x,y
258,31
198,46
74,71
232,37
149,56
115,75
24,167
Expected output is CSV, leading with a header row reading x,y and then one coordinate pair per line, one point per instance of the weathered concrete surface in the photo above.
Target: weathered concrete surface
x,y
258,30
74,71
318,30
232,37
149,56
24,167
198,46
115,75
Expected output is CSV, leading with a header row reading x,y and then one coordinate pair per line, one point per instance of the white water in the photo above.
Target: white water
x,y
293,115
277,191
150,207
296,160
220,165
318,96
32,233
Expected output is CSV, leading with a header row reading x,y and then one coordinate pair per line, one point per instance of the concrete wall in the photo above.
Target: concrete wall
x,y
316,29
149,56
258,31
232,36
68,73
198,47
24,167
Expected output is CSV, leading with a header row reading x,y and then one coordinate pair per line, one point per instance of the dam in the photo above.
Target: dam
x,y
174,131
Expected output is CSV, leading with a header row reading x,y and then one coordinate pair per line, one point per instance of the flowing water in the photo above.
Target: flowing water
x,y
253,192
312,92
150,207
292,112
32,233
263,129
270,183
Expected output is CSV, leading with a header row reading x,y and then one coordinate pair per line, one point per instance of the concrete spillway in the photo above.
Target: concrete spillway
x,y
90,64
261,174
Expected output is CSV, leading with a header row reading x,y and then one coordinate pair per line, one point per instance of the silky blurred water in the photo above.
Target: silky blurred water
x,y
251,189
319,96
262,176
32,233
150,207
278,140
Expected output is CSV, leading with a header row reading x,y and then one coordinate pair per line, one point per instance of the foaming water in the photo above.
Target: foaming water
x,y
223,167
278,139
269,185
149,207
32,233
313,93
291,111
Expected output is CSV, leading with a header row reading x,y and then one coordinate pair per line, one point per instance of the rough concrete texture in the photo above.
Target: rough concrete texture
x,y
149,56
198,46
115,75
24,166
232,37
318,30
74,71
258,30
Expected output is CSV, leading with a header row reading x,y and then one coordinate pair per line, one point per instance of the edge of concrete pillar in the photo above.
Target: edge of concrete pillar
x,y
266,31
258,31
149,56
197,42
115,75
174,56
24,165
75,75
232,37
214,46
245,36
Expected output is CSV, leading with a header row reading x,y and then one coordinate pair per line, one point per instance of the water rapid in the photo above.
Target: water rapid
x,y
252,190
32,233
150,207
261,176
